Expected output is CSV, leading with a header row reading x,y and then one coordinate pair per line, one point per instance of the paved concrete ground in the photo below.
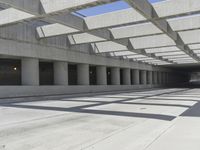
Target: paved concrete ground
x,y
161,119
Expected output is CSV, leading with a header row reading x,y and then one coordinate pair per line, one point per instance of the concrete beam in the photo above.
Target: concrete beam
x,y
36,8
147,10
30,6
34,50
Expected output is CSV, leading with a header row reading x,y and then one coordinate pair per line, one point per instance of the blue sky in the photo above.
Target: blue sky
x,y
119,5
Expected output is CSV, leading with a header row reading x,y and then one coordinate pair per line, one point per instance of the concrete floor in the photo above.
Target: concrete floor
x,y
159,119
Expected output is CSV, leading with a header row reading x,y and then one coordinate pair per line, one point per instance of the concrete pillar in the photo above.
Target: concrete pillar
x,y
30,71
144,77
115,76
150,79
167,78
164,77
155,74
101,75
126,76
83,74
60,73
135,77
159,77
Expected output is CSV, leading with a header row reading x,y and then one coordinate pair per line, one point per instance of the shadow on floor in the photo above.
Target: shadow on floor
x,y
85,108
193,111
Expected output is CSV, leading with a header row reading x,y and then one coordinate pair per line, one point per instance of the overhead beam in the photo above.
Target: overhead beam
x,y
147,10
35,7
30,6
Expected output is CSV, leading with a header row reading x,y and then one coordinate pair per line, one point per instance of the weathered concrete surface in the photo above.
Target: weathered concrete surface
x,y
149,120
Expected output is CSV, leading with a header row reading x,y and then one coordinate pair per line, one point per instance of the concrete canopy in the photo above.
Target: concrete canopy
x,y
153,31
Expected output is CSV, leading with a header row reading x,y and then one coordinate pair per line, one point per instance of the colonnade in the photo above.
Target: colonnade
x,y
130,76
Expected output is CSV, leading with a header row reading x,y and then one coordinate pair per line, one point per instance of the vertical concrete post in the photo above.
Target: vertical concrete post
x,y
136,77
159,77
164,77
115,76
167,78
30,71
144,77
150,79
60,73
101,75
83,74
126,76
155,74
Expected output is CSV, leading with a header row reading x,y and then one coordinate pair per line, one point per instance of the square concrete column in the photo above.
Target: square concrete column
x,y
30,71
101,75
167,78
144,77
136,76
159,77
150,79
83,74
126,76
155,77
60,73
115,76
164,77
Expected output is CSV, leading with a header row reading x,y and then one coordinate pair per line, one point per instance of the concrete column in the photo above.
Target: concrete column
x,y
144,77
150,79
167,78
126,76
115,76
164,77
160,78
155,74
60,73
30,71
135,77
101,75
83,74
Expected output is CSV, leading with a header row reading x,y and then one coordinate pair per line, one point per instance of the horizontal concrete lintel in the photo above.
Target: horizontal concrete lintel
x,y
22,49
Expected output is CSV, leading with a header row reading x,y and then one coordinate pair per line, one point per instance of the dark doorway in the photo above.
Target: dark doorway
x,y
93,75
46,73
108,76
72,74
10,72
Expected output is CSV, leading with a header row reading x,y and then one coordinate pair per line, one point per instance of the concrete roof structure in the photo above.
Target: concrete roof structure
x,y
157,33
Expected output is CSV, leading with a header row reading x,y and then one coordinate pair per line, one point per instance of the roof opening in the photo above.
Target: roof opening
x,y
102,9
